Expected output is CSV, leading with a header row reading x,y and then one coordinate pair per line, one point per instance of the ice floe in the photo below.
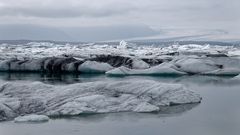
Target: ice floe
x,y
94,67
195,65
122,45
162,69
31,118
136,95
139,64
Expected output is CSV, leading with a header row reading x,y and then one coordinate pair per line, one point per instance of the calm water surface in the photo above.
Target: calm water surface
x,y
218,114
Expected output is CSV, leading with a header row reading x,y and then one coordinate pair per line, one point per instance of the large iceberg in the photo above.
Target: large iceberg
x,y
207,66
183,66
195,65
22,98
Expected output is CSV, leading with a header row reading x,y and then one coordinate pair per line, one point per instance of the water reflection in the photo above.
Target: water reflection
x,y
78,78
172,111
50,78
218,114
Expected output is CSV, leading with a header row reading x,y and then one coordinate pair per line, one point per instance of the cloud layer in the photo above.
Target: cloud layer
x,y
64,8
157,14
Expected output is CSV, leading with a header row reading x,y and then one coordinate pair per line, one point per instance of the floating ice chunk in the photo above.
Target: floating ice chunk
x,y
195,65
5,111
31,118
177,65
224,71
139,64
236,77
50,64
94,67
19,98
122,45
234,53
121,71
4,65
146,107
162,69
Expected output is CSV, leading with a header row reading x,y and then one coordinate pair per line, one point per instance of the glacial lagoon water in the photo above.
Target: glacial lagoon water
x,y
218,114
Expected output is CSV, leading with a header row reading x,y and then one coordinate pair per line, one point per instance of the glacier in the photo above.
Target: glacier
x,y
21,98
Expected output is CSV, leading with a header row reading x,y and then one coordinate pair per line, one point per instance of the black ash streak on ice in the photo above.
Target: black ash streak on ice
x,y
23,98
20,98
123,59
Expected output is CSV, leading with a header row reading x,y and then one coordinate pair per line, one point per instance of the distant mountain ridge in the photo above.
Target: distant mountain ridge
x,y
82,34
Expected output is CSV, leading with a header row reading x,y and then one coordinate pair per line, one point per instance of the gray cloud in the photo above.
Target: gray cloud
x,y
157,14
56,9
135,10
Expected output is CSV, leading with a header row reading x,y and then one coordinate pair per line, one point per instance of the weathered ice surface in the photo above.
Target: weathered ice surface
x,y
94,67
31,118
178,66
22,98
184,66
117,61
162,69
47,64
129,58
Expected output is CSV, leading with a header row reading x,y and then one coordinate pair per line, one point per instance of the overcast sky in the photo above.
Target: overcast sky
x,y
154,14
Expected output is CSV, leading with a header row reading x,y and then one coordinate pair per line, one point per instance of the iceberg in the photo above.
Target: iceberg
x,y
162,69
139,64
123,44
117,61
195,65
236,77
206,66
94,67
224,72
138,59
45,64
31,118
135,95
120,65
34,50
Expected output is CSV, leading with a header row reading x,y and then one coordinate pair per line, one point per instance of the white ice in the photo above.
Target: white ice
x,y
94,67
139,64
31,118
183,66
162,69
135,95
191,58
46,49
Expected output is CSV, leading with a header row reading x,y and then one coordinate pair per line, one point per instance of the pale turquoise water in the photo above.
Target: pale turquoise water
x,y
218,114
